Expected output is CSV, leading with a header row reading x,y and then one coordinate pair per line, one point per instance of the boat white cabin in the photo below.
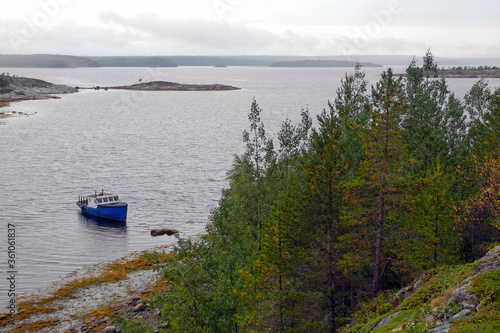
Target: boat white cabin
x,y
96,199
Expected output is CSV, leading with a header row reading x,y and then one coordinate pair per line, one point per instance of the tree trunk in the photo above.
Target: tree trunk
x,y
378,244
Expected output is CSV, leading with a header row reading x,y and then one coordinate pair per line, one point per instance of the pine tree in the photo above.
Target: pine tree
x,y
434,132
378,187
259,153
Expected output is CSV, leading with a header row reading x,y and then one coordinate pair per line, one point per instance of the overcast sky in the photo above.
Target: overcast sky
x,y
451,28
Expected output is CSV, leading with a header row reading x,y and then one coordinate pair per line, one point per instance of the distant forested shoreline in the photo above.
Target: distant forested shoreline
x,y
68,61
470,72
321,63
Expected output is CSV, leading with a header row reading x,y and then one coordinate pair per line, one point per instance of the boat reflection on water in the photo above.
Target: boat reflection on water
x,y
95,223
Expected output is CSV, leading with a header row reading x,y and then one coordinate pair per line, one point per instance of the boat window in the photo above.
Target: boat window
x,y
99,200
115,198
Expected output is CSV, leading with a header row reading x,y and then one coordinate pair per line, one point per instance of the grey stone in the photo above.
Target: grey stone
x,y
386,321
468,306
444,328
462,314
109,329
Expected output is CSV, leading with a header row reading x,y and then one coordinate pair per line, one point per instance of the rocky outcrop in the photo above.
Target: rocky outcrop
x,y
13,88
386,321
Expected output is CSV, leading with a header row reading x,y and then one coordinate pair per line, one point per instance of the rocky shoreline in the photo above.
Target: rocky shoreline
x,y
90,310
97,300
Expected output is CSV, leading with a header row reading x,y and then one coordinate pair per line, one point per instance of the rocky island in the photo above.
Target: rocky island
x,y
165,86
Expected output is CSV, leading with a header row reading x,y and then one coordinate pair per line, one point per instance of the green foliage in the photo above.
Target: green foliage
x,y
4,80
201,296
130,325
487,286
430,66
486,133
478,102
308,233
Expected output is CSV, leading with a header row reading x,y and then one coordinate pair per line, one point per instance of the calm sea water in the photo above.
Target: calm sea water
x,y
165,153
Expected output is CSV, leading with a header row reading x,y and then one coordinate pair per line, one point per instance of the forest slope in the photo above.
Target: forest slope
x,y
461,298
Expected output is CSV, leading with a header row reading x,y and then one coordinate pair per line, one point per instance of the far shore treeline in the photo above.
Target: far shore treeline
x,y
67,61
395,179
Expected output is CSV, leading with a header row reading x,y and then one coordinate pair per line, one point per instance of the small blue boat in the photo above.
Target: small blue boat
x,y
104,205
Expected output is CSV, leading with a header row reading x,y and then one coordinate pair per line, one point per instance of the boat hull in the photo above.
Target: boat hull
x,y
116,211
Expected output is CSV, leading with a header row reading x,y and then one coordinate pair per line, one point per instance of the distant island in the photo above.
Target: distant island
x,y
168,86
470,72
321,63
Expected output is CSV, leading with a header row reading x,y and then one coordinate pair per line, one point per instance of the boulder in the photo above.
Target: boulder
x,y
139,307
109,329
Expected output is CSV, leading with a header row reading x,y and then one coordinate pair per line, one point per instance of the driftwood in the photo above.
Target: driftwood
x,y
160,232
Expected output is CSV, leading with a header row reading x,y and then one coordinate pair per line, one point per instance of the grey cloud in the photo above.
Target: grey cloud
x,y
149,34
213,34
